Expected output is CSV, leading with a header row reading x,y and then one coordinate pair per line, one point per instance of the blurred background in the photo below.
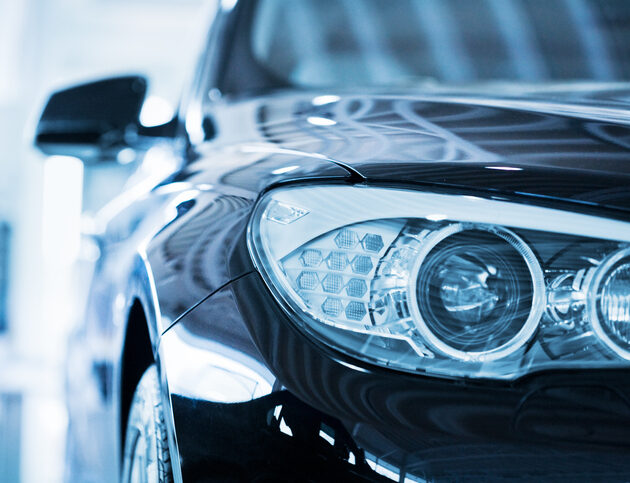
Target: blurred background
x,y
46,203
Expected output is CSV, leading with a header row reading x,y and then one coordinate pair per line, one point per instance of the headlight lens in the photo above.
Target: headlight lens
x,y
447,285
478,291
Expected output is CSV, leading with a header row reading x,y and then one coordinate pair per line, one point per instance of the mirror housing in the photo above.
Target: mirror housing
x,y
92,121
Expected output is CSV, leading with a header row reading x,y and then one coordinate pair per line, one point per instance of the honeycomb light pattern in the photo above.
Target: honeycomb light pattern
x,y
307,280
311,258
356,287
362,264
372,243
332,283
355,310
347,239
332,306
333,273
337,261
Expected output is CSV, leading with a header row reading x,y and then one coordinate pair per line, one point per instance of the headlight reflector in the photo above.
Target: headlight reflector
x,y
444,284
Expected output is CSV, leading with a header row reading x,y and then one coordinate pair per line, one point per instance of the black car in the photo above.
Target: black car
x,y
391,243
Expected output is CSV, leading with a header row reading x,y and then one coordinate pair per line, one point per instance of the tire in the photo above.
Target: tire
x,y
146,457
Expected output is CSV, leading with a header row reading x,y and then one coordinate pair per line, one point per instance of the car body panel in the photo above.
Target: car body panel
x,y
417,426
239,322
145,256
183,242
229,355
188,256
547,146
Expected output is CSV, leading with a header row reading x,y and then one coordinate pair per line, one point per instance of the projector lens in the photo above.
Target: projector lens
x,y
611,303
475,292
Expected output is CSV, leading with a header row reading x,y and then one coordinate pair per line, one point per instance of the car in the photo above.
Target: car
x,y
380,241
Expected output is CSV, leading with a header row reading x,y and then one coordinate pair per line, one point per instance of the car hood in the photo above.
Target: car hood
x,y
569,141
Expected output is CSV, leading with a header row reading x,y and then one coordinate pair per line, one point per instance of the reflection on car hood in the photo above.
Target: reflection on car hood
x,y
560,141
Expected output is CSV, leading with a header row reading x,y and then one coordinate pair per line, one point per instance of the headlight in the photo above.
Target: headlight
x,y
444,284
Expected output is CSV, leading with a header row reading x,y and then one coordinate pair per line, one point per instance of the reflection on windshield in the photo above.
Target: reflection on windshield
x,y
317,43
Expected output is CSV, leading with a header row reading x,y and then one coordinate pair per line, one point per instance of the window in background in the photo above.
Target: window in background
x,y
5,233
10,417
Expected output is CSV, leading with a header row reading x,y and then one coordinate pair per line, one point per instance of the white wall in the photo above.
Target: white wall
x,y
46,44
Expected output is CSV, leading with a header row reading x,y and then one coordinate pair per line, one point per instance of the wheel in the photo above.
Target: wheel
x,y
146,457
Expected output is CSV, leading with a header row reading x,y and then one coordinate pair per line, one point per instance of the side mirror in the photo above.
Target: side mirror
x,y
92,121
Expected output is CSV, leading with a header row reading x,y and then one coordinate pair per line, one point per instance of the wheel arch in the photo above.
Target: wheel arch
x,y
139,339
137,355
141,327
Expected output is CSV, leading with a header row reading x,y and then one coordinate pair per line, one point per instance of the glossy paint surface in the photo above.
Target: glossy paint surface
x,y
221,339
574,425
571,422
542,143
236,370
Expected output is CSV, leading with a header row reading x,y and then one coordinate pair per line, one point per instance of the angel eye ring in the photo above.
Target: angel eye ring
x,y
477,292
609,302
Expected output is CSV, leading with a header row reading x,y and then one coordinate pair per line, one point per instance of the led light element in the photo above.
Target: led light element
x,y
332,306
356,287
372,243
332,283
355,311
337,261
346,239
307,280
362,264
311,258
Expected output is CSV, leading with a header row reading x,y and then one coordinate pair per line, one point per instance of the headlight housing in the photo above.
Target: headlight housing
x,y
448,285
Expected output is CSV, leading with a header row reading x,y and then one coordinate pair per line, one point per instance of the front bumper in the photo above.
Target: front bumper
x,y
273,438
349,421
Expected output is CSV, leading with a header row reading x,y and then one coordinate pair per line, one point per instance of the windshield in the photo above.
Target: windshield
x,y
324,43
